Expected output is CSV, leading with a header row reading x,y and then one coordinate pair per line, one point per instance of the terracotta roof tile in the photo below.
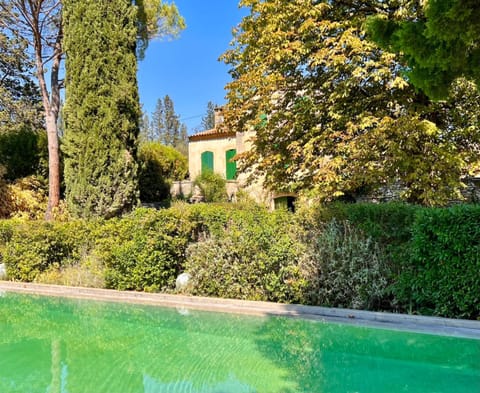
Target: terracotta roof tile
x,y
210,134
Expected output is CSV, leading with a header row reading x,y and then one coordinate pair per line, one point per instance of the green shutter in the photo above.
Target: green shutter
x,y
207,161
231,165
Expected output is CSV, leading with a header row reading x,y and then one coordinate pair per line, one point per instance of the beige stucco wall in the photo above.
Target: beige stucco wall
x,y
241,142
218,146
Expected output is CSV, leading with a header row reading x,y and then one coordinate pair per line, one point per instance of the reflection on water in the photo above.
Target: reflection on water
x,y
232,385
50,345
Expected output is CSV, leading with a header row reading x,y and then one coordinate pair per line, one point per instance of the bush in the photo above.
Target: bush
x,y
255,257
159,165
443,276
212,186
350,270
25,198
35,247
145,251
22,152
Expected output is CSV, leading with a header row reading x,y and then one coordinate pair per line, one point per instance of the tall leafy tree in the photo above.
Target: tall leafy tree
x,y
208,121
38,23
332,112
438,39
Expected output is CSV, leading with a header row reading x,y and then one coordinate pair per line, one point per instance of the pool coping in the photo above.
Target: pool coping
x,y
415,323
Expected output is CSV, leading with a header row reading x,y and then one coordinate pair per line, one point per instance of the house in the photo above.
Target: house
x,y
215,150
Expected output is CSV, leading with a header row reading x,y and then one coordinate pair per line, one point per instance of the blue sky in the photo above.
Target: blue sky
x,y
187,69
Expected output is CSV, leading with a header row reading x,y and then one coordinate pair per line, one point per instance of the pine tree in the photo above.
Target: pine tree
x,y
102,108
166,126
208,121
172,123
146,129
158,123
182,144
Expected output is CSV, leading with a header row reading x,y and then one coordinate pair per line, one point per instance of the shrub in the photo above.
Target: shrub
x,y
144,251
22,152
255,257
443,276
25,198
35,247
212,186
350,270
159,165
88,272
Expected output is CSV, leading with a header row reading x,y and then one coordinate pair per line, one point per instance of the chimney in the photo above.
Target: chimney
x,y
218,112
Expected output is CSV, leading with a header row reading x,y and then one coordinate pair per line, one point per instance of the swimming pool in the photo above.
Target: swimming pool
x,y
51,345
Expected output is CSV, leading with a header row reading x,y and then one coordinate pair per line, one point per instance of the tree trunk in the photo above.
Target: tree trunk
x,y
51,105
53,166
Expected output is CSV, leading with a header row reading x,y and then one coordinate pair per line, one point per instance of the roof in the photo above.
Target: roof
x,y
213,133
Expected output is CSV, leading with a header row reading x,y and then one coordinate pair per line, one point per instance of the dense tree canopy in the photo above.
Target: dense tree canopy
x,y
332,112
439,39
102,110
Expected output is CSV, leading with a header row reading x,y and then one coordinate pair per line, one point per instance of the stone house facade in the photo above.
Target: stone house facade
x,y
215,150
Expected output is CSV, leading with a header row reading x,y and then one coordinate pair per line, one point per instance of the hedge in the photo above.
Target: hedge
x,y
391,257
443,277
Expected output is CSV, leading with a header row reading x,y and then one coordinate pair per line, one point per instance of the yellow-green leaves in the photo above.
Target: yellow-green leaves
x,y
338,115
156,19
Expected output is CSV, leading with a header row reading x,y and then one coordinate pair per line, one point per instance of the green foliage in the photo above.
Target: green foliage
x,y
102,107
386,223
34,247
332,111
156,19
443,277
147,251
438,40
390,257
22,153
143,251
159,165
212,186
351,270
24,198
255,257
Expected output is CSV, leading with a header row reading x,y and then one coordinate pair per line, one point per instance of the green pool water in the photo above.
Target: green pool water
x,y
52,345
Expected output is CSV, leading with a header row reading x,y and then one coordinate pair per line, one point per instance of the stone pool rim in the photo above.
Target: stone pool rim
x,y
384,320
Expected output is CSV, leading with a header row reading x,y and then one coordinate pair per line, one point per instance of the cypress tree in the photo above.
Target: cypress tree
x,y
102,109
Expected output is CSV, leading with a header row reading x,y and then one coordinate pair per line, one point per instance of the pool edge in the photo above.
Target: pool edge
x,y
421,324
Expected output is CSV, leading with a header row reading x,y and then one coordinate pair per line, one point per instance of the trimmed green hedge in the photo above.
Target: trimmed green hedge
x,y
443,277
391,257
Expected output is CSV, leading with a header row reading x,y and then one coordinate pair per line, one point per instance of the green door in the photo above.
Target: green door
x,y
207,161
231,165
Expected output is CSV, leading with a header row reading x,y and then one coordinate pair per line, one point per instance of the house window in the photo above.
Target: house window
x,y
231,170
207,161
